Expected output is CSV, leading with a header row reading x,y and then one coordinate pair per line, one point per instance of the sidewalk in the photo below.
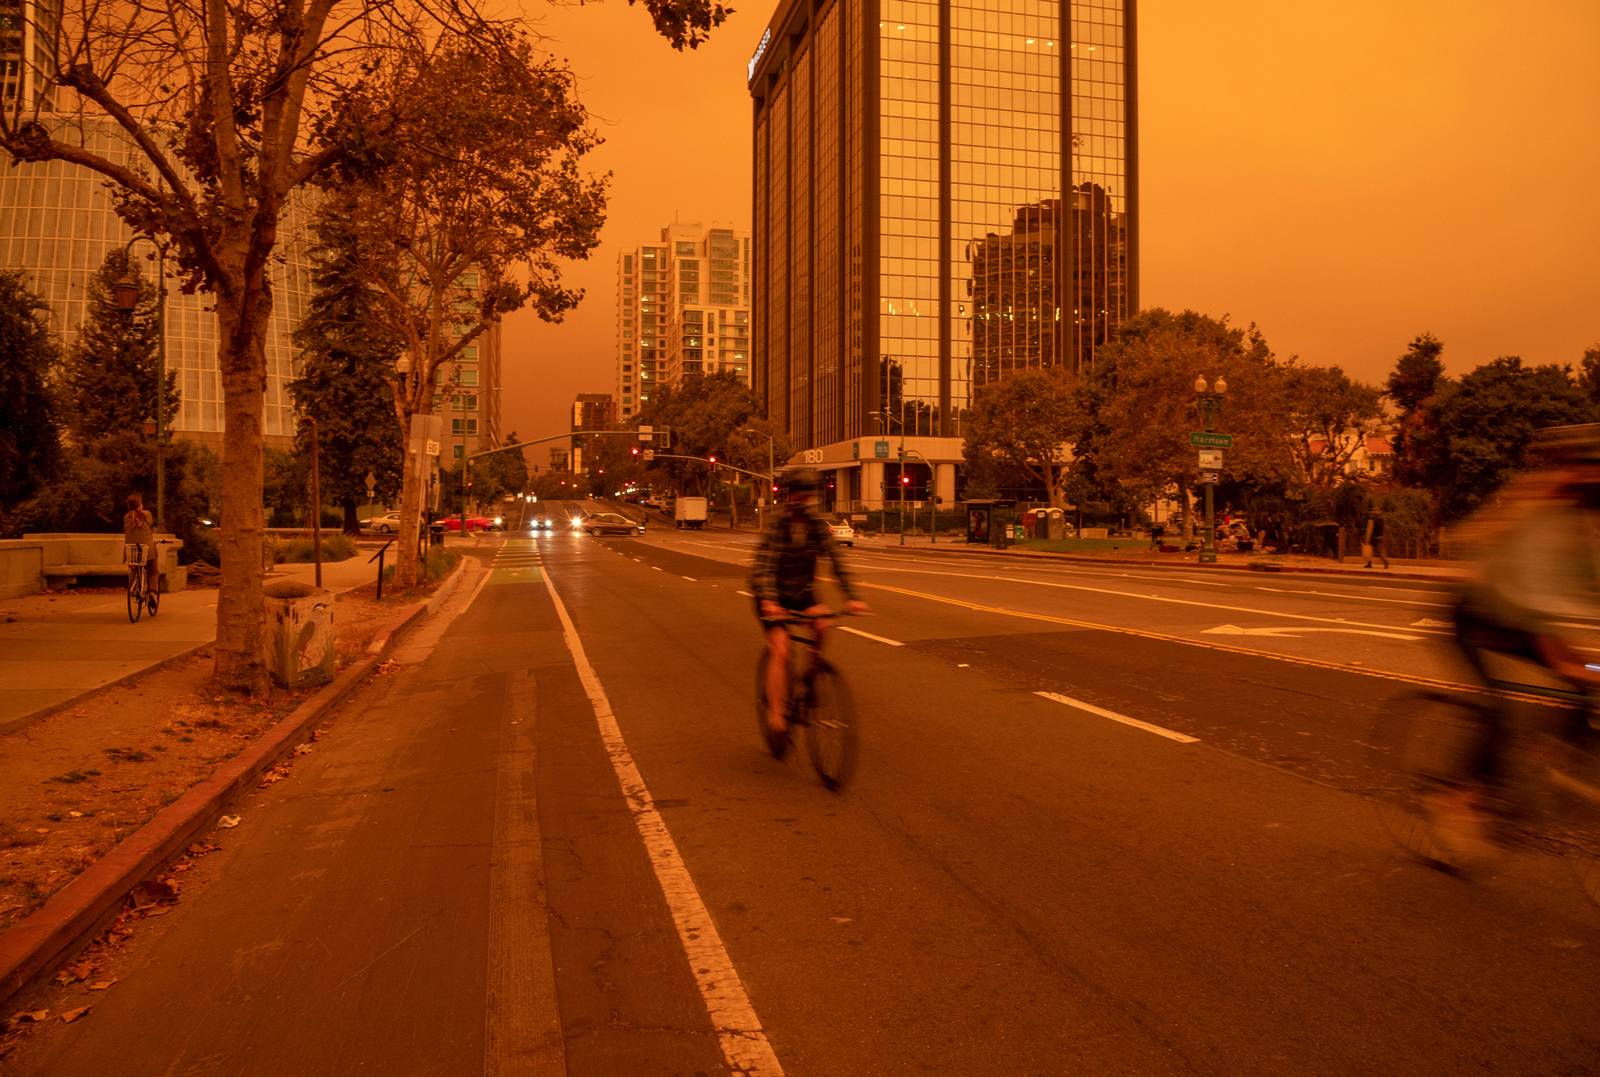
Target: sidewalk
x,y
57,647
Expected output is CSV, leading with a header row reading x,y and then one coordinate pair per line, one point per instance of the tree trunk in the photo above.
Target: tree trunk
x,y
242,325
352,526
405,565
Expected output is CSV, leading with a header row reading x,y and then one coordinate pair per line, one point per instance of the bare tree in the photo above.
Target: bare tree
x,y
229,106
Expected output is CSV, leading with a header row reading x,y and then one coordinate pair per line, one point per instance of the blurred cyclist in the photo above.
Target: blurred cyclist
x,y
782,581
1539,572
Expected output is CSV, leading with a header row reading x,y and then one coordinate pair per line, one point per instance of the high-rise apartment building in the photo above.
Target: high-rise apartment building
x,y
27,63
945,192
469,388
590,411
683,309
57,225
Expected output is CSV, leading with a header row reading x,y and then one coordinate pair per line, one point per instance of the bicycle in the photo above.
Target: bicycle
x,y
819,702
141,596
1549,794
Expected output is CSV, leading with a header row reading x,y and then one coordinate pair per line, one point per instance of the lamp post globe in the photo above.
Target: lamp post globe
x,y
126,292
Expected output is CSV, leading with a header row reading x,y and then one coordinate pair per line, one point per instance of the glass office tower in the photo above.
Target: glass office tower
x,y
920,232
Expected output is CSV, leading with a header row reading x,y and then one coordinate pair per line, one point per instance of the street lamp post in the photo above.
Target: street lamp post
x,y
761,506
1209,400
126,293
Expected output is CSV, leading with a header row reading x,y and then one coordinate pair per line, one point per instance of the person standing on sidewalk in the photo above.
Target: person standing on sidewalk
x,y
138,526
1372,545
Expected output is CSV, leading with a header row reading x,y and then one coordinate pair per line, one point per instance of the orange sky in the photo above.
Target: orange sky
x,y
1346,176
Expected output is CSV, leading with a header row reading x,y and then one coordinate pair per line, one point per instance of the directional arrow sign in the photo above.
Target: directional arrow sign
x,y
1206,440
1293,632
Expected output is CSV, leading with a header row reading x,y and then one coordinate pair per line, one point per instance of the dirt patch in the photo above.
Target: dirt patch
x,y
79,781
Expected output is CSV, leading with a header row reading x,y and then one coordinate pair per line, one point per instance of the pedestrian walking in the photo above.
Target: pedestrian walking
x,y
1372,545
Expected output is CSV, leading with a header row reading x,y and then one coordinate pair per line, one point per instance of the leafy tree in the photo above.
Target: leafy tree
x,y
227,112
1485,421
347,360
30,436
1329,419
1025,422
1418,376
1147,406
706,415
477,216
1589,375
110,378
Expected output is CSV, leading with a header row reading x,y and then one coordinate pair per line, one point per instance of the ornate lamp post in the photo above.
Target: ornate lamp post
x,y
126,293
1209,400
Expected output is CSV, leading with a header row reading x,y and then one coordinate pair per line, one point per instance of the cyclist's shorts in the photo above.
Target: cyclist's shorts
x,y
795,604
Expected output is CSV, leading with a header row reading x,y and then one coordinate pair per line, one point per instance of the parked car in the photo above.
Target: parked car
x,y
386,524
843,533
610,523
474,523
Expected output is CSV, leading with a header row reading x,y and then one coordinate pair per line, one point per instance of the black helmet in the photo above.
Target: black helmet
x,y
801,479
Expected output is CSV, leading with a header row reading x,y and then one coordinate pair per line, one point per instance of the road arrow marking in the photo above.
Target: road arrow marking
x,y
1294,631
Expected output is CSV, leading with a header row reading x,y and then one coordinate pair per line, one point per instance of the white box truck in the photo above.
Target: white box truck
x,y
690,512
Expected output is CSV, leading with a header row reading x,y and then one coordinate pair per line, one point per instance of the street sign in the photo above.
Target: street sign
x,y
649,454
1208,476
1211,459
433,447
880,449
372,483
647,433
1206,439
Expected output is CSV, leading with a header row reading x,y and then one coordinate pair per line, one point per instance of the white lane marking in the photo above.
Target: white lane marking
x,y
1356,598
746,594
1097,573
744,1044
1181,738
658,568
1428,622
691,579
869,635
1293,632
1148,598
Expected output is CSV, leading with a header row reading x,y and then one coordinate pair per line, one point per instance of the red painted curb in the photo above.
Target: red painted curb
x,y
76,912
386,634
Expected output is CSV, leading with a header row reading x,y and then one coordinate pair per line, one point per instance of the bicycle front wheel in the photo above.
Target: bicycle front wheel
x,y
832,729
1421,748
135,592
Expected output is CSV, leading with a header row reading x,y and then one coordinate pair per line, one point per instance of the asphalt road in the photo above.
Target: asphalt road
x,y
454,881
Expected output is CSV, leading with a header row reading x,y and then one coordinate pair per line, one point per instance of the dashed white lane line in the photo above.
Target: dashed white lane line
x,y
744,1044
746,594
691,579
1181,738
868,635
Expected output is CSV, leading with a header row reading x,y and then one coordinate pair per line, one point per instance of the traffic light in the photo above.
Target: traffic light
x,y
635,452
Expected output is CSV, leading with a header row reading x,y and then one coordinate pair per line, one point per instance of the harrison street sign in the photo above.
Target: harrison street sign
x,y
1206,440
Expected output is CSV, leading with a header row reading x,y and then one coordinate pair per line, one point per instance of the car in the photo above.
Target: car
x,y
843,533
541,521
386,524
608,523
474,523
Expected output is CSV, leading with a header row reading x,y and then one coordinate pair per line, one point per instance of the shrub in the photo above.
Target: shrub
x,y
336,547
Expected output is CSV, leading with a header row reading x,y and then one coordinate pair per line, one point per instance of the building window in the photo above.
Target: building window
x,y
471,427
467,354
627,291
467,280
468,377
685,248
457,451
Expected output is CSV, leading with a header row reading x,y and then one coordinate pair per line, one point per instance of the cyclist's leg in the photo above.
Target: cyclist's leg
x,y
1479,637
777,674
821,627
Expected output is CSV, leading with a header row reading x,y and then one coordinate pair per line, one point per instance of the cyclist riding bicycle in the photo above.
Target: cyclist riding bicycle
x,y
138,528
1539,574
782,581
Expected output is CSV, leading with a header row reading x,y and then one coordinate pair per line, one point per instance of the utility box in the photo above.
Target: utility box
x,y
1030,522
1056,523
299,640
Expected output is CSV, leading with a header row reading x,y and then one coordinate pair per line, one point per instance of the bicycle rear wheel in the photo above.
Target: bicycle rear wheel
x,y
1421,746
135,592
832,728
153,595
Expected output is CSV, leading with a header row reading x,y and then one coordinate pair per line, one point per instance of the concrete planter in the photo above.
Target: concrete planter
x,y
299,641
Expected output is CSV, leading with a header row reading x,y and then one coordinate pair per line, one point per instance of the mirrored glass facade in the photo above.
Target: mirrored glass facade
x,y
945,193
57,225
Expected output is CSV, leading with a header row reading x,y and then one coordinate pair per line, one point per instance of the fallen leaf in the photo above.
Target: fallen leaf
x,y
101,985
72,1015
32,1015
303,749
227,822
76,814
40,831
840,919
162,911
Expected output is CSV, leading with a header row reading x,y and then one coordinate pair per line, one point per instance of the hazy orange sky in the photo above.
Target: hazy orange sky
x,y
1346,176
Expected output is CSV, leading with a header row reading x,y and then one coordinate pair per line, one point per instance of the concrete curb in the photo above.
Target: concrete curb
x,y
79,910
26,720
1308,570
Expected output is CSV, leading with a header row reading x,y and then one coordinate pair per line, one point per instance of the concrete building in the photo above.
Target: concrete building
x,y
946,191
683,309
27,63
590,411
57,225
470,389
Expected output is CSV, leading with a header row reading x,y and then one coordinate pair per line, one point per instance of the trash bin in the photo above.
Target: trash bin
x,y
1056,523
436,534
299,640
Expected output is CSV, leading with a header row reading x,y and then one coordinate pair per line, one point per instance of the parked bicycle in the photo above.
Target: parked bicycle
x,y
819,702
1548,796
144,589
